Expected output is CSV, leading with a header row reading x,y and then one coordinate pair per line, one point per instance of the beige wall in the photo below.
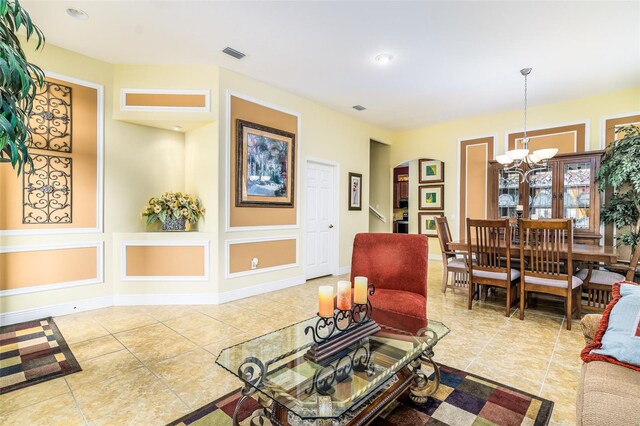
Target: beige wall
x,y
165,261
439,141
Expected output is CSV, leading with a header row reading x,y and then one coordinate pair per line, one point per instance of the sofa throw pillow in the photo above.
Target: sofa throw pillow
x,y
618,337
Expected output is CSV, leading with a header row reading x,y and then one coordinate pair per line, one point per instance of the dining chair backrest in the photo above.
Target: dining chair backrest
x,y
633,264
486,239
444,235
546,240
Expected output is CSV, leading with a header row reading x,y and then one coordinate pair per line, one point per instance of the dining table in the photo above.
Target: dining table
x,y
580,252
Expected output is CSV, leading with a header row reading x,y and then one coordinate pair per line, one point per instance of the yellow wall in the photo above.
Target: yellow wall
x,y
381,174
439,141
324,134
139,161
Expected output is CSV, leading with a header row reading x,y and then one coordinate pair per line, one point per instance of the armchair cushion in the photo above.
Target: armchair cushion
x,y
392,261
600,277
399,301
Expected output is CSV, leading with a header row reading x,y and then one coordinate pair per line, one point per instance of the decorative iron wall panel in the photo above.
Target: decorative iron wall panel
x,y
50,119
47,190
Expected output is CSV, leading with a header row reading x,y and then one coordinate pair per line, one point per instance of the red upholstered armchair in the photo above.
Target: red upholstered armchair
x,y
397,265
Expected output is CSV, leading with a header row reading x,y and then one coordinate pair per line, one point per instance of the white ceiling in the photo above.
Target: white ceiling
x,y
451,59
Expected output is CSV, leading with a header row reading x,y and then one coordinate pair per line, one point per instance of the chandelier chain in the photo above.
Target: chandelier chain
x,y
525,142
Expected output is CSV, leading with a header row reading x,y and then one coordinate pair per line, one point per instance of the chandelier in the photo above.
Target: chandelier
x,y
521,160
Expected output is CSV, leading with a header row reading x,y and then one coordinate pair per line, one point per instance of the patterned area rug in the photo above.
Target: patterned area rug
x,y
33,352
462,399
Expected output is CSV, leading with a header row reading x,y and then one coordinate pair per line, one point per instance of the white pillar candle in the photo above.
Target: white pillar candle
x,y
325,301
360,285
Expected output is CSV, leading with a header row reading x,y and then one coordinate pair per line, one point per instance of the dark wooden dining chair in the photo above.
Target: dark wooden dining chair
x,y
486,239
454,264
546,262
599,279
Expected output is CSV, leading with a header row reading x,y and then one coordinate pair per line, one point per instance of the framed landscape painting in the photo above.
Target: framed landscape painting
x,y
355,191
431,197
265,166
431,171
427,223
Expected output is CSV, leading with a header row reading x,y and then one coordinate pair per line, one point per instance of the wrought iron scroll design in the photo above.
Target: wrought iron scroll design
x,y
47,190
50,119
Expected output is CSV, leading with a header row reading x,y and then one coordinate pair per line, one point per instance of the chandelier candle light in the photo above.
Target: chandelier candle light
x,y
521,160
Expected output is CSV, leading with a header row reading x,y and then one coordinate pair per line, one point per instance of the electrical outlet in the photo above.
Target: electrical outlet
x,y
254,263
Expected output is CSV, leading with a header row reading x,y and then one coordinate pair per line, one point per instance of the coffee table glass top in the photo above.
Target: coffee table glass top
x,y
274,364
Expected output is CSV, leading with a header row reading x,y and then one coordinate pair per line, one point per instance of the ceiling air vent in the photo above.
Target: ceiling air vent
x,y
233,52
358,107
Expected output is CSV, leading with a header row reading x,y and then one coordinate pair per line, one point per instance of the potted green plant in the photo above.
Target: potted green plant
x,y
620,171
19,83
173,210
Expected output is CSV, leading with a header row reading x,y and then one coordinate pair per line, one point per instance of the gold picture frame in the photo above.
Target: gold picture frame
x,y
266,165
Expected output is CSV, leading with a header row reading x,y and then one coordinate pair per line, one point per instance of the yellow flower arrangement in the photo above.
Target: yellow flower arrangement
x,y
174,204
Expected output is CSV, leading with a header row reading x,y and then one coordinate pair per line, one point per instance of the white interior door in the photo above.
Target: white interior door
x,y
320,212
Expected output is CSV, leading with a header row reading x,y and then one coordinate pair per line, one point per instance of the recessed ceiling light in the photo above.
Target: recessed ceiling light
x,y
77,13
176,128
384,58
358,107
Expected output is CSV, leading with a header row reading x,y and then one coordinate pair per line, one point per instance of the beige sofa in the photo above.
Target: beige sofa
x,y
608,394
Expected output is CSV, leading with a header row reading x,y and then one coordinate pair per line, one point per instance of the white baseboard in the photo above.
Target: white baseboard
x,y
146,299
55,310
165,299
255,290
344,270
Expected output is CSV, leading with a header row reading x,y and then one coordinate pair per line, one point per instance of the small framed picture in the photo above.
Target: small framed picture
x,y
431,171
355,191
427,223
431,197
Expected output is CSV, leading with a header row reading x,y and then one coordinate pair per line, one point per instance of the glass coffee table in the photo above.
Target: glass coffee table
x,y
351,388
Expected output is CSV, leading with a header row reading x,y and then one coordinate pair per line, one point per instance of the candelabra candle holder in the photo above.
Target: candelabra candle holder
x,y
332,335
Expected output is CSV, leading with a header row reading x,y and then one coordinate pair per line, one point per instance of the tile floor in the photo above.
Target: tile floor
x,y
152,364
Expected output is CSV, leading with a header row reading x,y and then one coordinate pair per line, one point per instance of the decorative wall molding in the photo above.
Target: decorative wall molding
x,y
603,125
229,243
161,243
227,199
126,91
7,318
99,167
459,143
587,132
241,293
99,246
14,317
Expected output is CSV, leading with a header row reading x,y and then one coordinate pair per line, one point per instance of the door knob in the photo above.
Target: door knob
x,y
330,226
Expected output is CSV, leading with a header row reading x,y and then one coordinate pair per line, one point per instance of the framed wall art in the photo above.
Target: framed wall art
x,y
265,166
431,171
427,223
431,197
355,191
